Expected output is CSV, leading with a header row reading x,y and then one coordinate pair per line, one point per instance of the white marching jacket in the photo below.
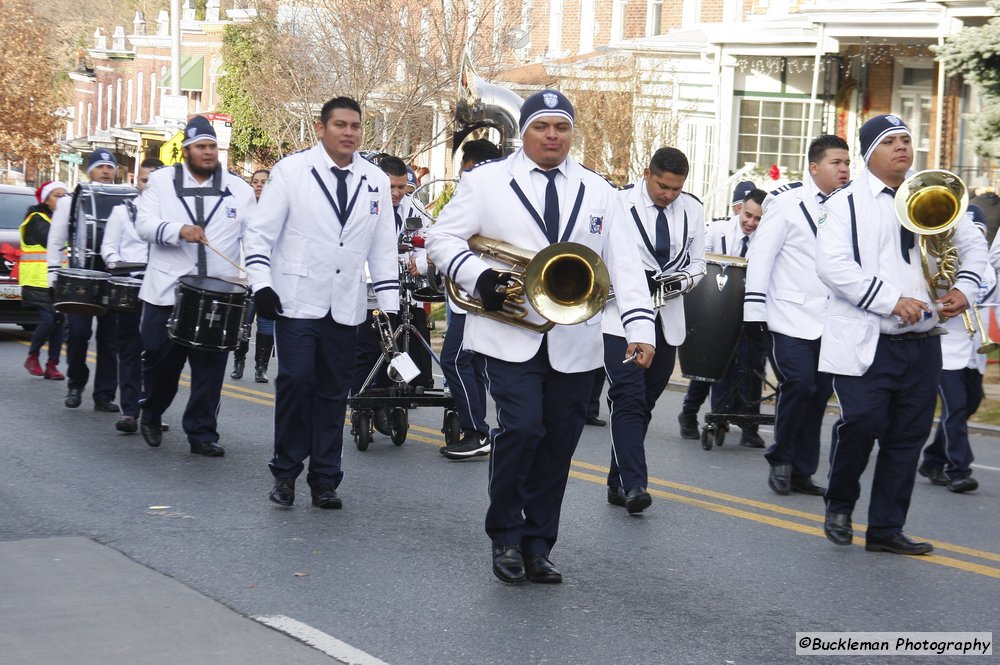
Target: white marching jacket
x,y
723,236
162,215
686,221
850,236
487,202
296,245
782,286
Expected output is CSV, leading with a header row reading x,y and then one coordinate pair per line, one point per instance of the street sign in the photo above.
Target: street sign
x,y
170,152
70,158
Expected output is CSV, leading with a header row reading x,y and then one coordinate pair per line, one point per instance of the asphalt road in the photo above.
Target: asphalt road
x,y
718,570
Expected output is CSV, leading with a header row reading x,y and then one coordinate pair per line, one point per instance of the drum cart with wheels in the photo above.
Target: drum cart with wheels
x,y
717,424
400,396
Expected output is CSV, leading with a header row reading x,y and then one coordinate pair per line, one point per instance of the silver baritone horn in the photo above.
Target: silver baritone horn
x,y
565,283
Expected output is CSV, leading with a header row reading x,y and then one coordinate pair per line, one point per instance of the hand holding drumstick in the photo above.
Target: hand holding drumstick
x,y
196,234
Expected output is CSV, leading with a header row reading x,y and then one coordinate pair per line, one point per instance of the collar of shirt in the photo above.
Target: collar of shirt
x,y
875,184
539,183
330,164
189,180
529,166
648,204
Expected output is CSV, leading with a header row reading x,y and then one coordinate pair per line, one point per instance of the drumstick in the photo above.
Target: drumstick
x,y
206,243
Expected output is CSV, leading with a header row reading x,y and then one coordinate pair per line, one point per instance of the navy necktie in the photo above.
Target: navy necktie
x,y
662,237
399,220
743,246
551,214
341,175
905,235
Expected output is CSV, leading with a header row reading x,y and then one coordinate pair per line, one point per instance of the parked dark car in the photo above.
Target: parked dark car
x,y
14,204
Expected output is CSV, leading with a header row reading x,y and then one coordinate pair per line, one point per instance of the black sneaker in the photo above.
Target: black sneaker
x,y
127,425
473,444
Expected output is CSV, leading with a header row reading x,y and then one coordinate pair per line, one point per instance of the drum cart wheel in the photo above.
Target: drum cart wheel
x,y
361,428
452,428
706,438
398,425
719,435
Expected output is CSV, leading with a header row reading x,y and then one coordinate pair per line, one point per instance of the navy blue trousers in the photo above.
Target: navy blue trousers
x,y
314,377
540,416
594,405
51,328
747,367
696,395
79,330
162,363
463,372
632,394
803,392
892,402
961,393
129,343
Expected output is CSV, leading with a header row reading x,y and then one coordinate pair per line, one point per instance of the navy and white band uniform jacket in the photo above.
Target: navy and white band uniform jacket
x,y
504,199
724,236
296,245
56,252
686,223
162,215
859,257
404,210
782,287
121,243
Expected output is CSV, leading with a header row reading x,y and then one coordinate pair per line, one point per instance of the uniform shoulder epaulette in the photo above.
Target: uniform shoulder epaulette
x,y
606,178
693,197
839,189
786,188
628,186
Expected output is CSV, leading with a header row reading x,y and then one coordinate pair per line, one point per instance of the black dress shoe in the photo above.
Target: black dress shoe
x,y
689,425
127,425
637,500
752,440
935,474
779,479
326,498
74,396
616,496
959,485
381,421
208,449
152,433
539,569
508,564
838,529
106,407
897,543
596,422
283,492
805,485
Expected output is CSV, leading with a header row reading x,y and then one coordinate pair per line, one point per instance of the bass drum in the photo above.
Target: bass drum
x,y
713,311
79,291
208,313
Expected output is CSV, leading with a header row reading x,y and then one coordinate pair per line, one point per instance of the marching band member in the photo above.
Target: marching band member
x,y
716,242
325,211
540,382
122,244
880,339
181,210
947,461
785,297
101,167
463,369
669,234
264,342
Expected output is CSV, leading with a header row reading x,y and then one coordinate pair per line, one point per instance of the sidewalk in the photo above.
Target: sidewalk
x,y
70,600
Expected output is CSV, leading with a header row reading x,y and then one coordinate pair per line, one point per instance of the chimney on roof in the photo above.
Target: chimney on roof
x,y
187,14
100,40
139,24
118,38
163,23
212,11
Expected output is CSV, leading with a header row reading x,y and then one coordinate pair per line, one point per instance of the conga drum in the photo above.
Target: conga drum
x,y
79,291
207,313
713,311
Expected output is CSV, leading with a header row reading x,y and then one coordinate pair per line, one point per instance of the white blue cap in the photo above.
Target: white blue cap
x,y
876,129
101,157
544,103
199,129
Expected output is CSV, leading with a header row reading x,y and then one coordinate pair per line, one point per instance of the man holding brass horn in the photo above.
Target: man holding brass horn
x,y
539,374
880,339
668,227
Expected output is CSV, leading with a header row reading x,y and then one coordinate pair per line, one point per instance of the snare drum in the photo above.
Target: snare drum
x,y
79,291
123,295
713,311
207,313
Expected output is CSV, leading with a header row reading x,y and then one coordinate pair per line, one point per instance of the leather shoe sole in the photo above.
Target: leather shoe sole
x,y
539,569
208,450
838,529
637,500
616,496
508,564
897,544
779,479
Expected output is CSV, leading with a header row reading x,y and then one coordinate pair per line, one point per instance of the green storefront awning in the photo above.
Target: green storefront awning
x,y
192,73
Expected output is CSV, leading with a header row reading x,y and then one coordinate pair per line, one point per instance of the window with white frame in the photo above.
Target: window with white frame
x,y
617,21
654,17
773,132
690,13
555,28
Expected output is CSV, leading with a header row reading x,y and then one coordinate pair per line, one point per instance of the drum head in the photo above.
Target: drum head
x,y
427,294
126,281
212,285
80,273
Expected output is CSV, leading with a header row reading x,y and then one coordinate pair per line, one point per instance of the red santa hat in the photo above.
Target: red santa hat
x,y
43,192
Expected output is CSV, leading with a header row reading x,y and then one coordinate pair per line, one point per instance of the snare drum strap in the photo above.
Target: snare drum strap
x,y
199,194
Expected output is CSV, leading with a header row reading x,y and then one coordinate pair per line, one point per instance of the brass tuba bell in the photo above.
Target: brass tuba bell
x,y
565,283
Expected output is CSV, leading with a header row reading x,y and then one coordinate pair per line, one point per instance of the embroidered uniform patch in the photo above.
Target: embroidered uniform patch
x,y
230,213
373,208
596,225
822,220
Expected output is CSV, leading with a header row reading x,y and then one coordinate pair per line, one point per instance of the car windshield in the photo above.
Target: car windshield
x,y
14,207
